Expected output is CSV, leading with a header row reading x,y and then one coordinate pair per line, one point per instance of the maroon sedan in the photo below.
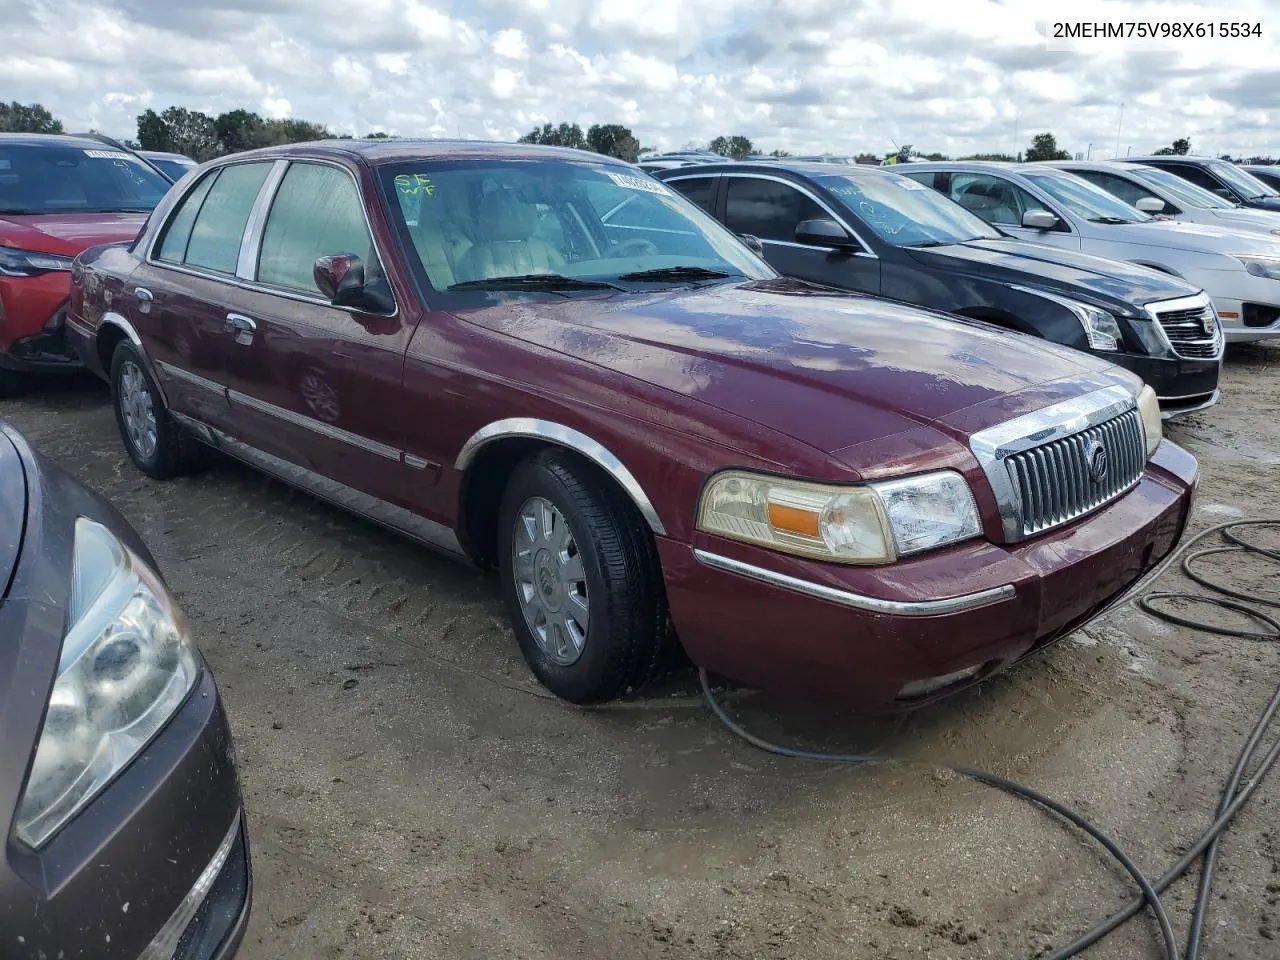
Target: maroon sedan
x,y
546,361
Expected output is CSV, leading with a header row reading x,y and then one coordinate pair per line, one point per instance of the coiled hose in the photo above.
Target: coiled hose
x,y
1236,792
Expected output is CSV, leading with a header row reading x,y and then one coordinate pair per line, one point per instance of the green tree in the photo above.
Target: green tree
x,y
377,135
1002,157
867,158
18,117
238,130
180,130
736,147
565,135
1044,146
1179,148
780,153
613,140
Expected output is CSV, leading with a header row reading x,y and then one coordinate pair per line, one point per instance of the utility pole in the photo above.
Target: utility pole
x,y
1119,123
1089,154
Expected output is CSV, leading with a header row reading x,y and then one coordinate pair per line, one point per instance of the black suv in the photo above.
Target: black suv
x,y
1225,179
871,230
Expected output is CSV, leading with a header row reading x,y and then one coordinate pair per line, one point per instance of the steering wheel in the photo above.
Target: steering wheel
x,y
636,247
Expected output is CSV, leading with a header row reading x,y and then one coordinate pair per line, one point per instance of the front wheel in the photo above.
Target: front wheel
x,y
157,445
581,580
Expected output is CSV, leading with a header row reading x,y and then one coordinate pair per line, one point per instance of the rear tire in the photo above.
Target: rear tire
x,y
581,580
154,440
12,384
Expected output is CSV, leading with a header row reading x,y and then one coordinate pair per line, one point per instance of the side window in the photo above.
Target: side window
x,y
316,212
1201,178
927,177
994,199
768,209
701,190
219,226
173,245
1118,187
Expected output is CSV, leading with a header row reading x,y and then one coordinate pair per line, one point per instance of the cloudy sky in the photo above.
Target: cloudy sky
x,y
956,76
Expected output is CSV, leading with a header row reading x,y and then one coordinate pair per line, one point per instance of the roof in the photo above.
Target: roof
x,y
1167,157
49,140
164,155
1115,166
994,165
800,167
395,150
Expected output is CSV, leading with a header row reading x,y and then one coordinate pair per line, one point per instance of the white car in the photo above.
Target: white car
x,y
1033,201
1162,193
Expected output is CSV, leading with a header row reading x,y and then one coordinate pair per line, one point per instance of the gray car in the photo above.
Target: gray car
x,y
1034,201
1166,194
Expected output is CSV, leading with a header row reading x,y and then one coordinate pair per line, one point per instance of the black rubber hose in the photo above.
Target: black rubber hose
x,y
1234,796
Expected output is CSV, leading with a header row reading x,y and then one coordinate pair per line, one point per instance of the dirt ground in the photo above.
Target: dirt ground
x,y
413,793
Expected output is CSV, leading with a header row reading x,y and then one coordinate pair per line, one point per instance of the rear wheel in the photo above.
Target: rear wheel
x,y
157,445
582,583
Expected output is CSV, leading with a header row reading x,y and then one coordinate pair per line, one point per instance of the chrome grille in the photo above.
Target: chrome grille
x,y
1054,483
1184,326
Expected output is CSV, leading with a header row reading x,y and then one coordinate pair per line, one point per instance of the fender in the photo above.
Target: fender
x,y
561,435
112,319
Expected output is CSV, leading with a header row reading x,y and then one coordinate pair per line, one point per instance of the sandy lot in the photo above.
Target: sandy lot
x,y
413,793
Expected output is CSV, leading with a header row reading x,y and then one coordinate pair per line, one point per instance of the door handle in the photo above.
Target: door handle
x,y
243,327
142,295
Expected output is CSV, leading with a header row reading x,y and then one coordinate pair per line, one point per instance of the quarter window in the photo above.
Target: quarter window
x,y
316,212
768,209
219,226
994,199
173,245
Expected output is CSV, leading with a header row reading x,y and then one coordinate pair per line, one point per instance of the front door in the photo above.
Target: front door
x,y
1003,203
311,383
771,209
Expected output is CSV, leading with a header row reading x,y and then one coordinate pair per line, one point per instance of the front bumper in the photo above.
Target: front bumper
x,y
1183,386
1005,601
32,311
108,883
1257,318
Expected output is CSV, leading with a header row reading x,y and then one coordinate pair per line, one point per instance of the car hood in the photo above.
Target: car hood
x,y
829,369
1017,261
1247,218
1200,237
68,233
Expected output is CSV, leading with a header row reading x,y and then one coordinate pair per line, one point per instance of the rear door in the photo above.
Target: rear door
x,y
179,293
771,208
315,384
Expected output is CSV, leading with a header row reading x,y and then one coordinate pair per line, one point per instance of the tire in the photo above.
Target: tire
x,y
168,450
627,642
11,384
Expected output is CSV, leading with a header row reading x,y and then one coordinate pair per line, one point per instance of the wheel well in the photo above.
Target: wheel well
x,y
998,317
109,336
486,478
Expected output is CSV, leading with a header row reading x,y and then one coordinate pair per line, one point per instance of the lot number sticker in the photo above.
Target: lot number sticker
x,y
638,183
107,155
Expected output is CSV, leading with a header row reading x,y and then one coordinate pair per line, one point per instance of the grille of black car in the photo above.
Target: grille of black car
x,y
1186,331
1067,478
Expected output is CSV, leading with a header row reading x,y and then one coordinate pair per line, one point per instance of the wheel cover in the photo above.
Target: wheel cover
x,y
550,582
137,410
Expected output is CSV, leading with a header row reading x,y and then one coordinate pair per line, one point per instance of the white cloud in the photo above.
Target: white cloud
x,y
957,77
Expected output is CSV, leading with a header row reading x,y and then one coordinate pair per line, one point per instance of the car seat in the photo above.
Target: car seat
x,y
504,241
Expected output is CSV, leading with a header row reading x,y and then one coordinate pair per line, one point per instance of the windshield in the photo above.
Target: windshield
x,y
1085,200
904,212
475,222
1242,183
60,179
1184,191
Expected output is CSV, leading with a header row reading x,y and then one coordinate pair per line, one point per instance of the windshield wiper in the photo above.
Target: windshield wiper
x,y
1110,220
934,243
535,281
676,273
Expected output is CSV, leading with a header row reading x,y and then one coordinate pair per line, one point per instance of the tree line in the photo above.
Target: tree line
x,y
203,137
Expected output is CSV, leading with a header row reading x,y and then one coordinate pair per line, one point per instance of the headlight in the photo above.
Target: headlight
x,y
1149,409
26,263
1262,267
127,664
873,523
1100,327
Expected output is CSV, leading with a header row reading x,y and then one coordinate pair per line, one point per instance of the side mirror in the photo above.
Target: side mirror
x,y
340,277
823,233
753,242
1150,205
1039,220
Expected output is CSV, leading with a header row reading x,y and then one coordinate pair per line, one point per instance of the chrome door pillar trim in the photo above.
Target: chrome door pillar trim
x,y
561,435
251,239
858,601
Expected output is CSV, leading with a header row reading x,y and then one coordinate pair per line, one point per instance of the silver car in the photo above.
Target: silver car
x,y
1162,193
1037,202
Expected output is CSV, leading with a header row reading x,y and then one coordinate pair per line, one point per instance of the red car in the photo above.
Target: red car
x,y
58,196
548,362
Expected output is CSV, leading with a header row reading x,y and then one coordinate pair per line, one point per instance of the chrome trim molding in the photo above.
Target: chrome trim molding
x,y
398,519
566,437
994,445
315,426
177,373
858,601
111,319
251,238
1199,301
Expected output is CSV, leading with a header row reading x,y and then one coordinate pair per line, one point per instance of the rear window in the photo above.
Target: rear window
x,y
62,179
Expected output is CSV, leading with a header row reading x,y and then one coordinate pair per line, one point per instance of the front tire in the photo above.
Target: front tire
x,y
157,445
581,580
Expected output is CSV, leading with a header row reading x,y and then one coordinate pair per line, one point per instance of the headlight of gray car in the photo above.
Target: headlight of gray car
x,y
127,664
871,523
1100,327
1262,266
